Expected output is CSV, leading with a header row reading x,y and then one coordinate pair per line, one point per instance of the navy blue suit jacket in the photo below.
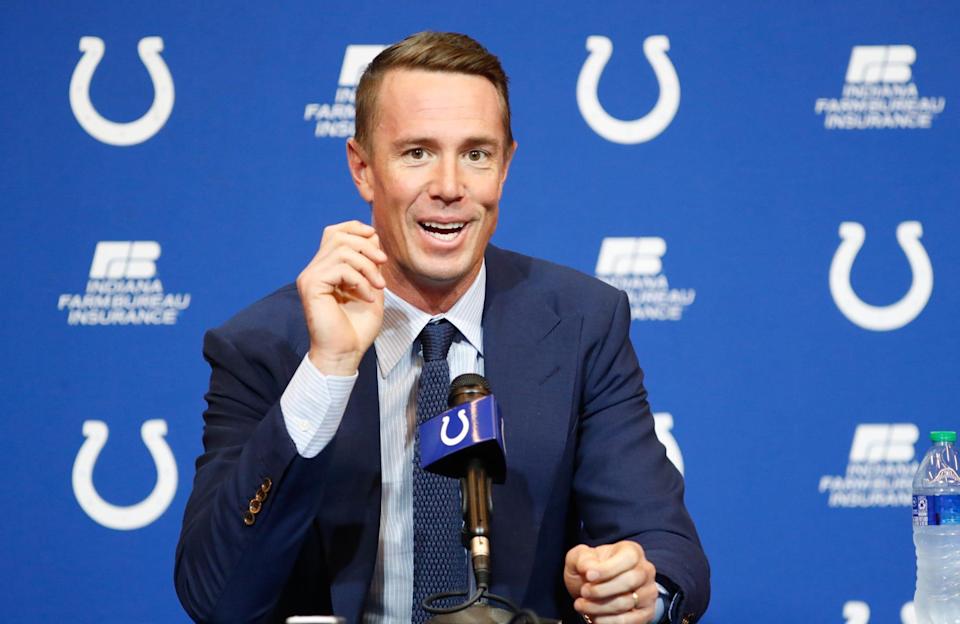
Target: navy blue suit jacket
x,y
584,464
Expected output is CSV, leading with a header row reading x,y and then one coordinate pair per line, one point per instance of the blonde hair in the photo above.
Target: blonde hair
x,y
431,51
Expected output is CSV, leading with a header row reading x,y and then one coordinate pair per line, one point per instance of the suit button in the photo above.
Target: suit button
x,y
248,518
267,484
260,496
254,506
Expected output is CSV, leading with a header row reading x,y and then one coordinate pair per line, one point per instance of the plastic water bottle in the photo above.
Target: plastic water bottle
x,y
936,532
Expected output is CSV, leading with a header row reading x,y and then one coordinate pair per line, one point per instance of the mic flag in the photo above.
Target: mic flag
x,y
449,440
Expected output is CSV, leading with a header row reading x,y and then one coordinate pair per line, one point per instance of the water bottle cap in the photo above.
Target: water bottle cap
x,y
943,436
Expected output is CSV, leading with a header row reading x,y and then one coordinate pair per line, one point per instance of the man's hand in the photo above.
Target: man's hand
x,y
611,584
342,295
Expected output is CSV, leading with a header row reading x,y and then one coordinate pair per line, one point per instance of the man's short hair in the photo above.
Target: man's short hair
x,y
431,51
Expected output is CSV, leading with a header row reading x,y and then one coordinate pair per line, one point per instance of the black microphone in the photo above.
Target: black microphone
x,y
466,442
478,465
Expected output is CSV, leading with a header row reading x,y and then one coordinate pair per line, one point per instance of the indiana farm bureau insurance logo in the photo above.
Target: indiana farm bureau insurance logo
x,y
335,119
880,468
635,266
123,289
879,93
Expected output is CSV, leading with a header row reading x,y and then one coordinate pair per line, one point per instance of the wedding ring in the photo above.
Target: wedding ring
x,y
636,601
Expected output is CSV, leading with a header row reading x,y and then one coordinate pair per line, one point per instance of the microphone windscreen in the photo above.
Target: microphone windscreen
x,y
467,387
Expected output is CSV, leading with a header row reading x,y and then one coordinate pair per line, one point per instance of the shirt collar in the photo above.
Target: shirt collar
x,y
403,322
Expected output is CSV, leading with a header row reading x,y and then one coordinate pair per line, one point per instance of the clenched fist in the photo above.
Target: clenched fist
x,y
613,583
342,295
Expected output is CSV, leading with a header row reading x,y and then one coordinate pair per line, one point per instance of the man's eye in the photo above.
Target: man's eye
x,y
416,153
476,155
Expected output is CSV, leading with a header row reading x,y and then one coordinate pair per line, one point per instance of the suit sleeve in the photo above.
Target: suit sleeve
x,y
232,563
625,486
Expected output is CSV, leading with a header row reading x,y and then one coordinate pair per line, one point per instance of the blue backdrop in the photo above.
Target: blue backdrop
x,y
148,199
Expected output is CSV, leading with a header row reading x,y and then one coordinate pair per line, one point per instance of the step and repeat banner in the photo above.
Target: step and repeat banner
x,y
775,186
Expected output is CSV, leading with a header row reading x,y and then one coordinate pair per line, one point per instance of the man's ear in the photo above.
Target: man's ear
x,y
360,171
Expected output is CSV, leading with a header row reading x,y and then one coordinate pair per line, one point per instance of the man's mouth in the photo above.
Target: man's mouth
x,y
442,231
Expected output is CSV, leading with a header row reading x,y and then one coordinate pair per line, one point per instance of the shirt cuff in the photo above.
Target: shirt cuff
x,y
313,405
661,604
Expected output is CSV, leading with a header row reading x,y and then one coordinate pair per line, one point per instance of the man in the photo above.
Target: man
x,y
305,500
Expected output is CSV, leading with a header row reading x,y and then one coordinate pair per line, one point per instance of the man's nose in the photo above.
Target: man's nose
x,y
447,184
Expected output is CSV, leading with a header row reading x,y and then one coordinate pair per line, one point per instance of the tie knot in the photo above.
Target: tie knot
x,y
436,339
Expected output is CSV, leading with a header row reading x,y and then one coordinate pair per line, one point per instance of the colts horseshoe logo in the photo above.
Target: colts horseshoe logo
x,y
121,134
881,318
639,130
146,511
464,429
662,425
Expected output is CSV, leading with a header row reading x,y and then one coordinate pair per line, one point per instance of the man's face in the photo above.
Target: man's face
x,y
434,177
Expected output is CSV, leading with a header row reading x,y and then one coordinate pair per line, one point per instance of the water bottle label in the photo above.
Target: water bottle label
x,y
936,510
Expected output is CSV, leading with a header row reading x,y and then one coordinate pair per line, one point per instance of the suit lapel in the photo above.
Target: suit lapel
x,y
529,362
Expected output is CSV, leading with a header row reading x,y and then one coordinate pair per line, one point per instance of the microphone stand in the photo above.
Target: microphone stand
x,y
475,491
477,504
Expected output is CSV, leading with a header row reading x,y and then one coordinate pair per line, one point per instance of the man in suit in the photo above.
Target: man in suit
x,y
305,499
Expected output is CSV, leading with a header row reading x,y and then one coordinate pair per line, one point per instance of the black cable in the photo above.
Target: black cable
x,y
471,600
504,601
520,616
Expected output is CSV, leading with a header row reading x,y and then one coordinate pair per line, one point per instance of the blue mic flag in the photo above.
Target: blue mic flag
x,y
469,430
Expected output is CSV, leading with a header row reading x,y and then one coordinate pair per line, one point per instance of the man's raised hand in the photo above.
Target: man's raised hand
x,y
342,295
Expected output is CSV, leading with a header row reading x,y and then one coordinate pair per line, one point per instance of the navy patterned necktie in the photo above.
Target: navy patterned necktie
x,y
439,560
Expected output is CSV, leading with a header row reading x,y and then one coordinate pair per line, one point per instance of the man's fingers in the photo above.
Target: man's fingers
x,y
618,609
324,280
369,246
358,228
638,616
612,583
587,566
640,576
647,595
363,264
351,282
604,606
324,274
620,558
571,574
572,561
353,234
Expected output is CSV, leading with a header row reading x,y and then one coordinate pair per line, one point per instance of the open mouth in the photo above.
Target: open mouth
x,y
442,231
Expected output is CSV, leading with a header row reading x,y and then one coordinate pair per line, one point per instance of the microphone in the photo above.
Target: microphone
x,y
466,443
